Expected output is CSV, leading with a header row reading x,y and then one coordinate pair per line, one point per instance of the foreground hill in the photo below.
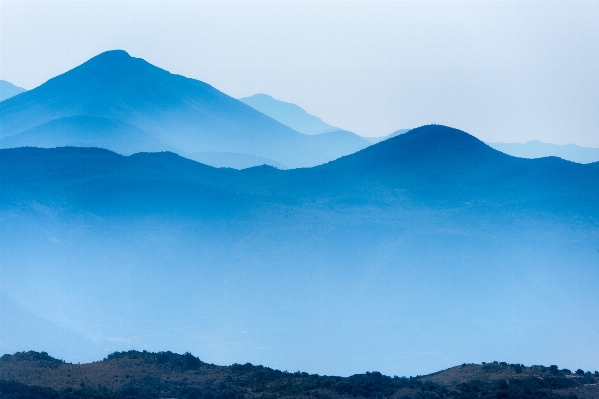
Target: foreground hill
x,y
165,374
423,251
169,110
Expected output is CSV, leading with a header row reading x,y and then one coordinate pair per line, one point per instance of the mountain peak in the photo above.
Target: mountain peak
x,y
113,59
111,55
434,147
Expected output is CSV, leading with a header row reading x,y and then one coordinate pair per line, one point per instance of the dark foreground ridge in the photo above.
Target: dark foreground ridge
x,y
133,374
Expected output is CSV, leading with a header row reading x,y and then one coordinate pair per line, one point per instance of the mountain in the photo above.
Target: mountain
x,y
167,374
298,119
288,114
184,114
87,131
429,163
8,90
446,162
537,149
425,250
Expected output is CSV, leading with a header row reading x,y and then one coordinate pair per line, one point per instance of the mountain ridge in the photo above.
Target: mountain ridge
x,y
433,162
167,374
185,114
153,251
289,114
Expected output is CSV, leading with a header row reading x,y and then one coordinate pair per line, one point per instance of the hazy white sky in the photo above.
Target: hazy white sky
x,y
503,71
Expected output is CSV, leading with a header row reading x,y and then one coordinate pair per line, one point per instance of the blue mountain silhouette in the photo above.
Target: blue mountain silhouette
x,y
8,90
185,114
288,114
428,242
431,164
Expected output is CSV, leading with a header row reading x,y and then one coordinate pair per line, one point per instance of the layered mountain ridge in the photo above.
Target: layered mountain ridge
x,y
442,162
422,251
175,112
288,114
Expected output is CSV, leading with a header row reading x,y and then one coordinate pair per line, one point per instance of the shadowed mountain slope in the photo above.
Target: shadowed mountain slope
x,y
186,114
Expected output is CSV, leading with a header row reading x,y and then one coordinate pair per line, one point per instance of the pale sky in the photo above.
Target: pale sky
x,y
502,71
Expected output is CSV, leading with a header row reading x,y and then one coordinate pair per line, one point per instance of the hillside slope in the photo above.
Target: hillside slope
x,y
165,374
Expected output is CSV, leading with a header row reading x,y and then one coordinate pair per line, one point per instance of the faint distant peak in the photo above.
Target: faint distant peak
x,y
8,90
262,96
288,114
537,149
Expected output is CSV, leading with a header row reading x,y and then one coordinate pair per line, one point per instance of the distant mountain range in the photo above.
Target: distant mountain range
x,y
432,163
115,101
429,231
298,119
426,244
8,90
127,105
288,114
537,149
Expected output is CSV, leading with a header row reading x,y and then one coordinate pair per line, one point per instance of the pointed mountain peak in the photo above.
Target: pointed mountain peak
x,y
113,59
